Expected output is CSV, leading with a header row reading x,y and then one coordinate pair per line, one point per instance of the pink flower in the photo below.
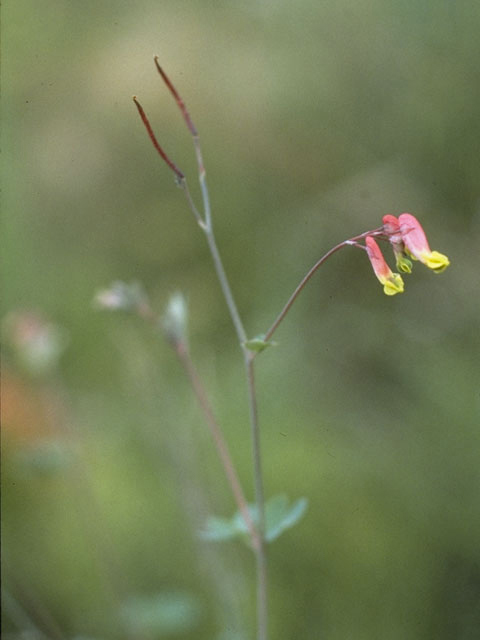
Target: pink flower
x,y
391,227
392,282
416,244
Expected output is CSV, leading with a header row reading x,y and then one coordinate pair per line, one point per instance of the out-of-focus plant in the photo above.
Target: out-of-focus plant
x,y
34,343
33,411
263,521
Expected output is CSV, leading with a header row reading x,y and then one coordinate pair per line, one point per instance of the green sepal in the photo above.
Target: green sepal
x,y
258,343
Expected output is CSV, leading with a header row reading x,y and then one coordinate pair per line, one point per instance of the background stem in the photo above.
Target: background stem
x,y
220,443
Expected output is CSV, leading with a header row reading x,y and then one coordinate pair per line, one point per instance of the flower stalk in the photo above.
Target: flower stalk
x,y
346,243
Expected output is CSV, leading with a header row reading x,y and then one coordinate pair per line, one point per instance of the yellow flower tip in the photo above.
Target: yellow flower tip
x,y
437,261
393,285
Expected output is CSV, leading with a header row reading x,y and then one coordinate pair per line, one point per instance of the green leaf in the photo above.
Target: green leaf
x,y
279,516
218,529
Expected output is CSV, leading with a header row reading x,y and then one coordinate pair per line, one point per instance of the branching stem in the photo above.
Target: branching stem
x,y
205,223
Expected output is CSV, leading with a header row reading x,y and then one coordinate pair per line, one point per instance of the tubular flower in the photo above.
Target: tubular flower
x,y
391,227
416,244
392,282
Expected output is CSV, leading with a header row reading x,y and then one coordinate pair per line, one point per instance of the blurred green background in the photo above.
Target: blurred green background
x,y
316,119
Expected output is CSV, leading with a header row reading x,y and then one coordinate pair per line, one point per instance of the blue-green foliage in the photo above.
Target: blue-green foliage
x,y
279,516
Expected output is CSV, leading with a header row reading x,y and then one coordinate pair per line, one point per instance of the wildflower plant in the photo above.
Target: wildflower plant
x,y
263,521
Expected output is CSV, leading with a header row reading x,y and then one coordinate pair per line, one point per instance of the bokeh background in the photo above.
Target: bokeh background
x,y
316,119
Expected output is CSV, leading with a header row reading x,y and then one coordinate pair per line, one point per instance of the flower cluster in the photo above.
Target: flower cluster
x,y
409,242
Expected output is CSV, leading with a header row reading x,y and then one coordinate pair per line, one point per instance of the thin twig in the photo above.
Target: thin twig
x,y
220,442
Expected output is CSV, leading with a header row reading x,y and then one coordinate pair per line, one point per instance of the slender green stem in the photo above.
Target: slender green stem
x,y
261,555
310,273
206,224
183,184
202,178
260,551
227,292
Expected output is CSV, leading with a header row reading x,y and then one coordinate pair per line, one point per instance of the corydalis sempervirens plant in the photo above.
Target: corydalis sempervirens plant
x,y
408,240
